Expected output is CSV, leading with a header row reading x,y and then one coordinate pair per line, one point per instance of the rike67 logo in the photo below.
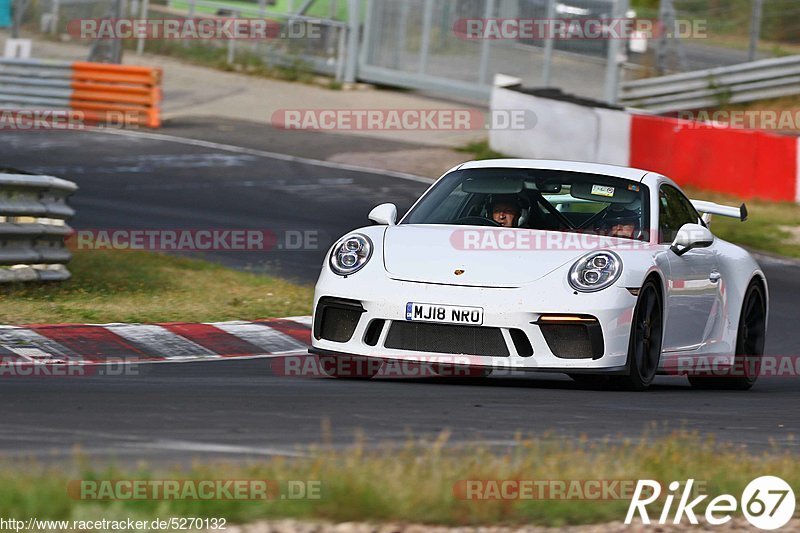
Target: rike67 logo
x,y
767,502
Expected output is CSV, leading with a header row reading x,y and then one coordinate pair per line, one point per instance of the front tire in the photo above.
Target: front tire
x,y
644,347
750,339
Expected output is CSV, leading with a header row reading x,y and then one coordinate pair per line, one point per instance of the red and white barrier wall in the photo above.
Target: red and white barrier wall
x,y
747,163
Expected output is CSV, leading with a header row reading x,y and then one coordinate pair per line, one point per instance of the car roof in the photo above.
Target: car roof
x,y
633,174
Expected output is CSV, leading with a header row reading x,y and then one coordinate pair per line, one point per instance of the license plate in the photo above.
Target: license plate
x,y
444,314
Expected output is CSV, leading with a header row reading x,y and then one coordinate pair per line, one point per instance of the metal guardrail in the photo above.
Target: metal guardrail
x,y
33,228
101,92
35,82
746,82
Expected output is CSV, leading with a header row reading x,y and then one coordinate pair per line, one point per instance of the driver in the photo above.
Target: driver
x,y
506,210
621,222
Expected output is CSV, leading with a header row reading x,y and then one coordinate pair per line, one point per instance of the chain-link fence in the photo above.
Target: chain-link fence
x,y
732,31
417,43
295,43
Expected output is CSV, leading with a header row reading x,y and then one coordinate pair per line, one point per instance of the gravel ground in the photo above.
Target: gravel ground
x,y
428,162
296,526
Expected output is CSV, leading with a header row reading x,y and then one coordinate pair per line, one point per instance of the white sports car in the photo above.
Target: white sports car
x,y
609,274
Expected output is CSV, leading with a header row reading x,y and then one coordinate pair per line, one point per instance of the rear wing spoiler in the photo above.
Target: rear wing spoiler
x,y
710,208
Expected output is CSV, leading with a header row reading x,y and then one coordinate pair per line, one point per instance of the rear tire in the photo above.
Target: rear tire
x,y
750,340
644,347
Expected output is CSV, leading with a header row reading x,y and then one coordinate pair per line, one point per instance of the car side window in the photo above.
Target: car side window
x,y
675,211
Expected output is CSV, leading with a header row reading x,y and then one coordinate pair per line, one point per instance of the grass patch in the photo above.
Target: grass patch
x,y
125,286
413,482
319,9
481,150
772,227
245,62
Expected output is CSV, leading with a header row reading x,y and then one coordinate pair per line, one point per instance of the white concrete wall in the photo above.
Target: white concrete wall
x,y
563,130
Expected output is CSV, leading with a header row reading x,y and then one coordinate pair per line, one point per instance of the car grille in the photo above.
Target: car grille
x,y
445,338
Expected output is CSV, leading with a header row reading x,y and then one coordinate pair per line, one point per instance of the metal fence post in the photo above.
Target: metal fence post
x,y
402,34
231,57
341,53
116,44
353,30
755,29
143,15
366,42
54,21
549,43
614,61
19,11
483,72
427,23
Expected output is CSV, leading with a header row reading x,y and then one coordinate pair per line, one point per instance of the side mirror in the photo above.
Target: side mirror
x,y
692,236
385,214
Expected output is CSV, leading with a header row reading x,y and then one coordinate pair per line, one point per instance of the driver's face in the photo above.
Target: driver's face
x,y
625,231
505,214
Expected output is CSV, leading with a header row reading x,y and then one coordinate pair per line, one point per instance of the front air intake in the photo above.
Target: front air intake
x,y
336,319
580,338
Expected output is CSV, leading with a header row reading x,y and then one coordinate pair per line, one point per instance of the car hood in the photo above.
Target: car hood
x,y
488,257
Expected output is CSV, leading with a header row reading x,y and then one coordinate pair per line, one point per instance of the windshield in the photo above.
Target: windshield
x,y
551,200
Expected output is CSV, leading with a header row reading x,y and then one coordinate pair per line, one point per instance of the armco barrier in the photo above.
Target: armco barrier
x,y
33,214
699,89
747,163
102,92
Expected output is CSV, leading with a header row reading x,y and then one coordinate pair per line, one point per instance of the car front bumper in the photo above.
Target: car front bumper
x,y
505,309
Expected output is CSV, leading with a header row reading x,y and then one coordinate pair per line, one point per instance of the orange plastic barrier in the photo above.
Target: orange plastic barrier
x,y
117,93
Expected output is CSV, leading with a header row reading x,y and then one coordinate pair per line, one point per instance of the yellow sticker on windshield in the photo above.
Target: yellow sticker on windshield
x,y
602,190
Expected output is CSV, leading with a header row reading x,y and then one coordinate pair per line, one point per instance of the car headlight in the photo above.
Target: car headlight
x,y
595,271
350,254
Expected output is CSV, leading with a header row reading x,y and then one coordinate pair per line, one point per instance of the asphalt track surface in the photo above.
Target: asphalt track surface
x,y
243,409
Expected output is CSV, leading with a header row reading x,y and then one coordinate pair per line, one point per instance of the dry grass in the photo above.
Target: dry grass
x,y
414,482
144,287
